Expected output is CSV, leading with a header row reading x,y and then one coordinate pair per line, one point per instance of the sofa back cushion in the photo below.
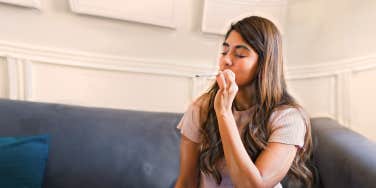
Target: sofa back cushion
x,y
97,147
344,158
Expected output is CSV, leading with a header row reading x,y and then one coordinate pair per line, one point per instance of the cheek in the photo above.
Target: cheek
x,y
247,73
252,66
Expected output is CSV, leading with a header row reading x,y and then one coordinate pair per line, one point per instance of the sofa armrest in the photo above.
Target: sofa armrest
x,y
343,157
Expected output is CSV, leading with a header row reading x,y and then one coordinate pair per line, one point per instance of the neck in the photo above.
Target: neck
x,y
246,97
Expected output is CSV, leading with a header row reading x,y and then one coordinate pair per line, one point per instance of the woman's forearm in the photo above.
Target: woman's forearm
x,y
242,170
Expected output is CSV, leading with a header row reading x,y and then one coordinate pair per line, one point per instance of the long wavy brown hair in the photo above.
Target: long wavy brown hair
x,y
271,94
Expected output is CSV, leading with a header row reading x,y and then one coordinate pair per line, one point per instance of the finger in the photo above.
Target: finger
x,y
229,77
232,75
221,80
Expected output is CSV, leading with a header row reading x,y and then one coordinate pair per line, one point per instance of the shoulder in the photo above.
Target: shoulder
x,y
201,104
287,113
198,109
288,125
194,118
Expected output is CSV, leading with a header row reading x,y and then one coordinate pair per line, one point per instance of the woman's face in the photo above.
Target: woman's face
x,y
240,58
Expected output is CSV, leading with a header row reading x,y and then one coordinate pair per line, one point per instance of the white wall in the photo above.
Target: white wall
x,y
96,61
58,27
320,30
56,55
337,38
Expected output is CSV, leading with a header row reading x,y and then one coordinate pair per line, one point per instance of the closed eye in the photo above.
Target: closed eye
x,y
238,56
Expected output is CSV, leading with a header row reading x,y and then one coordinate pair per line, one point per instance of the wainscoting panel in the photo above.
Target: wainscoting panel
x,y
114,89
3,78
316,95
364,102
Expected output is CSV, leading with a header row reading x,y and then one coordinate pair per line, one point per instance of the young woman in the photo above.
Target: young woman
x,y
247,130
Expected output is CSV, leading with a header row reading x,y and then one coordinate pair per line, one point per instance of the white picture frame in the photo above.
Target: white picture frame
x,y
24,3
158,13
219,14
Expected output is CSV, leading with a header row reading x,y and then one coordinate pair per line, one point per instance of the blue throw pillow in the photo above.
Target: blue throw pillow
x,y
23,161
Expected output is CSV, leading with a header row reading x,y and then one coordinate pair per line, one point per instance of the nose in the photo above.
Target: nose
x,y
226,61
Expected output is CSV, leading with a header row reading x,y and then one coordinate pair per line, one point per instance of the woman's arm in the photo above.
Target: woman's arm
x,y
270,167
189,169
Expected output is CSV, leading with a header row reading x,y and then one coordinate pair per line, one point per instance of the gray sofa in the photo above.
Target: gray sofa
x,y
98,147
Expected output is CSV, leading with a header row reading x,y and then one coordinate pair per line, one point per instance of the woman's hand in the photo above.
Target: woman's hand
x,y
226,93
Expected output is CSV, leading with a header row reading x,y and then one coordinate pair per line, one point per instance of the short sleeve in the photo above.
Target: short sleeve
x,y
287,127
189,124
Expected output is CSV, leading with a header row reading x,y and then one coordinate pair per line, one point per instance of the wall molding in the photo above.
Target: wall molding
x,y
98,61
343,98
13,78
63,57
19,78
20,59
332,68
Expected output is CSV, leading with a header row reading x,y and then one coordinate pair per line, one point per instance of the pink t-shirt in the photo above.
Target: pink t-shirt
x,y
287,126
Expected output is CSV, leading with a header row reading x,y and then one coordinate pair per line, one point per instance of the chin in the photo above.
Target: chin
x,y
240,84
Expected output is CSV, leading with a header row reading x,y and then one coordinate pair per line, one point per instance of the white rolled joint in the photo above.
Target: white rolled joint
x,y
206,75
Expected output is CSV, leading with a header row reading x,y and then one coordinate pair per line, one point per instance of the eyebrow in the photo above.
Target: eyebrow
x,y
237,46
